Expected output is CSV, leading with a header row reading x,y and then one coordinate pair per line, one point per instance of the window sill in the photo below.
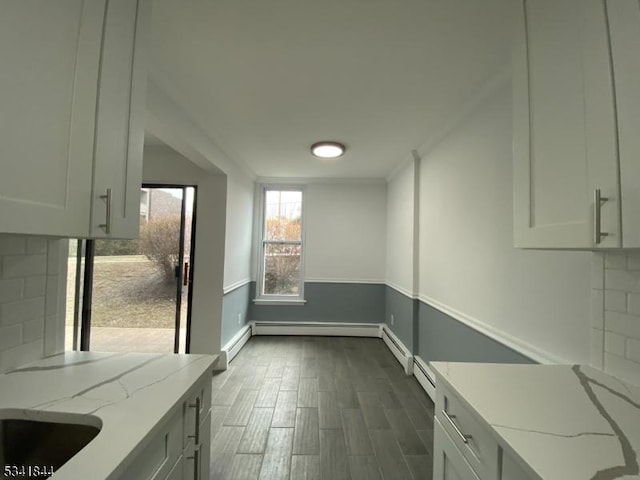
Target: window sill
x,y
278,301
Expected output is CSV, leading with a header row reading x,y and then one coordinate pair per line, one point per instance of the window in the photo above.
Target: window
x,y
281,246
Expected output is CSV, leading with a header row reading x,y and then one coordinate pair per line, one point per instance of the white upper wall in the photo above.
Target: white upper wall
x,y
400,230
345,232
237,258
538,299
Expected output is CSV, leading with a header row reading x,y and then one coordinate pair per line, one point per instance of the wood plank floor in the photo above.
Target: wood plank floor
x,y
325,408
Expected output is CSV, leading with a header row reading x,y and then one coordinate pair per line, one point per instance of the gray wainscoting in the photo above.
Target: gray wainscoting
x,y
234,303
441,337
404,310
328,302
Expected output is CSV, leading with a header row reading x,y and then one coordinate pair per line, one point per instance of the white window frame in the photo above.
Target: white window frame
x,y
270,299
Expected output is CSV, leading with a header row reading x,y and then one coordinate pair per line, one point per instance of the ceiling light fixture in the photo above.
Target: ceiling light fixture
x,y
327,149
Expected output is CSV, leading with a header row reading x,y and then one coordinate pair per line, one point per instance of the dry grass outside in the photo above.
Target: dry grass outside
x,y
129,291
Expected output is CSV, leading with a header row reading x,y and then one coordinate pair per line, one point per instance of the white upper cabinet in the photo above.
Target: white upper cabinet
x,y
72,87
624,30
565,132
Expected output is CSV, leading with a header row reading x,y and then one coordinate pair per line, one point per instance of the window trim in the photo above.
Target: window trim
x,y
270,299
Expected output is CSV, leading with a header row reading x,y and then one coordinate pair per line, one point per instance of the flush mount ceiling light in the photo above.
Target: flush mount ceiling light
x,y
327,149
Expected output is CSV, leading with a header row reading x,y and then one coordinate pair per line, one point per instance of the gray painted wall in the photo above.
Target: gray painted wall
x,y
404,310
328,302
441,337
234,303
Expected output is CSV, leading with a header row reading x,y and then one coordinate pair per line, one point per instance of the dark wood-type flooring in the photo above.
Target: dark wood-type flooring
x,y
319,408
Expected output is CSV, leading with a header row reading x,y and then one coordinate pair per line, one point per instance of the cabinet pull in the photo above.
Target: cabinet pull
x,y
196,437
598,200
107,225
463,436
196,462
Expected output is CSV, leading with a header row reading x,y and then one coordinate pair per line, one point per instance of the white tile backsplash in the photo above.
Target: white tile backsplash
x,y
30,296
620,293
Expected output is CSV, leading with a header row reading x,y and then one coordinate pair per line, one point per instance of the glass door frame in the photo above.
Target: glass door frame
x,y
89,256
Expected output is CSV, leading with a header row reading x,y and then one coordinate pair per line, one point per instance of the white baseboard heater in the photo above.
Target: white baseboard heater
x,y
425,377
399,350
317,329
231,349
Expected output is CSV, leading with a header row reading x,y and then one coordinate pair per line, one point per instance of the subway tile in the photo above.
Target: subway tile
x,y
51,297
10,336
11,290
622,368
633,350
615,301
17,356
21,311
12,244
15,266
624,280
35,286
597,309
622,324
615,260
634,304
633,260
36,245
597,271
54,256
596,352
33,330
614,343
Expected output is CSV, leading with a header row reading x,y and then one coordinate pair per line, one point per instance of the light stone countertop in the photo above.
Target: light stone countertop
x,y
563,422
129,394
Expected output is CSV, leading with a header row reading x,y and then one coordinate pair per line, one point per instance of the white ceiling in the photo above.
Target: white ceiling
x,y
267,78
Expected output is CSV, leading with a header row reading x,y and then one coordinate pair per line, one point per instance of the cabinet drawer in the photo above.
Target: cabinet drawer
x,y
200,400
473,440
161,454
448,462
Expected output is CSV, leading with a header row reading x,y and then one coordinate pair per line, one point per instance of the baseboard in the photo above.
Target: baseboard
x,y
231,349
425,376
333,329
399,349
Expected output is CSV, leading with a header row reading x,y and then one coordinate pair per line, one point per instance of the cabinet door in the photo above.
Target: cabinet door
x,y
49,52
624,28
120,120
448,462
564,127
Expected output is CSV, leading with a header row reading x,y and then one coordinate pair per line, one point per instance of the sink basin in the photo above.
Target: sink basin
x,y
47,445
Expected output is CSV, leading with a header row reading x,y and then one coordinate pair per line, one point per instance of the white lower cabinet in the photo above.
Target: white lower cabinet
x,y
180,449
448,461
464,446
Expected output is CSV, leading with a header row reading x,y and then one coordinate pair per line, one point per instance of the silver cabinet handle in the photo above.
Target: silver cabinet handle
x,y
196,462
107,225
196,437
464,437
598,200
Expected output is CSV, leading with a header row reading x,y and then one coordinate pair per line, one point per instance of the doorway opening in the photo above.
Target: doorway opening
x,y
135,295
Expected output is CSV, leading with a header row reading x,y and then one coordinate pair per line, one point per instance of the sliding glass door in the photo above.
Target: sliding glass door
x,y
135,295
